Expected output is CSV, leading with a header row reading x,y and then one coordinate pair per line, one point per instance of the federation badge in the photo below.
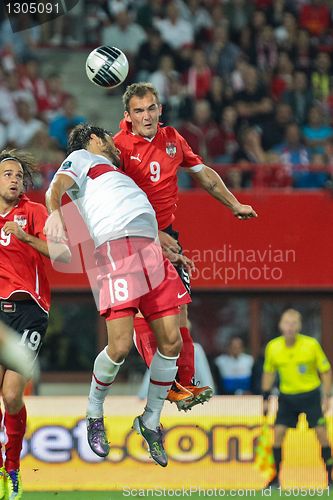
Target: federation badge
x,y
67,164
171,149
21,220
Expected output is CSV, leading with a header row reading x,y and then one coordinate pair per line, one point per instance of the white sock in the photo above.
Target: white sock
x,y
163,371
105,371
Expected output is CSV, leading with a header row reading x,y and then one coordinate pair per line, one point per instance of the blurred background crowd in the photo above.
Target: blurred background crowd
x,y
247,83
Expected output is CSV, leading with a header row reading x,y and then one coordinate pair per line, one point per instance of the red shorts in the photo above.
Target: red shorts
x,y
134,275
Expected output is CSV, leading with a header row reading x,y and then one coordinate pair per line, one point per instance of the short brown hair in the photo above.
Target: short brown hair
x,y
139,89
26,160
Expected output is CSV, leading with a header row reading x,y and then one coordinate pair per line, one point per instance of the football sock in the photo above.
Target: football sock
x,y
15,429
185,361
326,454
144,340
163,370
105,371
277,458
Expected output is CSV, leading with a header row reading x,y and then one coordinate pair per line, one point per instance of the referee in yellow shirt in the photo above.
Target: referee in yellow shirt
x,y
302,367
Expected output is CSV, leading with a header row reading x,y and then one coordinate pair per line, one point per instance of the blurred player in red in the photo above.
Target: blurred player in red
x,y
24,297
152,155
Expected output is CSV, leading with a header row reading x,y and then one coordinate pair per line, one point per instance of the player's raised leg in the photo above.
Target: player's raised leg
x,y
106,367
163,370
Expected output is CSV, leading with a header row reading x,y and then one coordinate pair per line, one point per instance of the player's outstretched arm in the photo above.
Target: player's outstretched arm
x,y
60,249
54,228
214,185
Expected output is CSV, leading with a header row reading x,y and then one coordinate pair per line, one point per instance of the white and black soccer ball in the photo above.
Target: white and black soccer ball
x,y
107,66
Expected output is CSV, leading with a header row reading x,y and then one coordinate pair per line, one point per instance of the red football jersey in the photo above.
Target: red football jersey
x,y
153,165
21,266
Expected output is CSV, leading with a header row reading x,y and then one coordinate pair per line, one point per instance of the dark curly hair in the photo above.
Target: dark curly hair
x,y
26,160
79,136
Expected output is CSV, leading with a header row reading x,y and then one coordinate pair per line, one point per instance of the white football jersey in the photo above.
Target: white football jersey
x,y
110,203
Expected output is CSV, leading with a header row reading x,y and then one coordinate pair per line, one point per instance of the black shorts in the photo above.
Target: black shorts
x,y
27,319
182,272
292,405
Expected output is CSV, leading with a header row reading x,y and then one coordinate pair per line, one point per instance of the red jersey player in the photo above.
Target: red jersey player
x,y
24,297
151,155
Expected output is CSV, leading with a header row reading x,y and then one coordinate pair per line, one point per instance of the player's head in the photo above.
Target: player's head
x,y
16,169
94,139
142,108
290,323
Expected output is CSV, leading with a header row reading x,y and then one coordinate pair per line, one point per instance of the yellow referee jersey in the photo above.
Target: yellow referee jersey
x,y
298,365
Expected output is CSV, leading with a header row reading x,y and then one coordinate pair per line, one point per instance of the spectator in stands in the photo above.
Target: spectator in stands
x,y
299,97
198,79
150,53
148,12
292,152
161,78
96,15
54,99
32,80
234,369
286,34
21,130
68,28
315,17
237,77
276,10
250,151
228,129
283,77
238,14
303,52
321,77
266,50
218,97
202,133
20,35
253,104
316,178
62,124
124,34
199,17
274,131
179,105
174,30
3,135
222,53
316,132
10,93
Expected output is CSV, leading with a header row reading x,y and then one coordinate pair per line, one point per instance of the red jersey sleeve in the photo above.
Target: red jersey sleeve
x,y
190,159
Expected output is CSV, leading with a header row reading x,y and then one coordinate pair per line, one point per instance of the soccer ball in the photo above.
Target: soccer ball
x,y
107,66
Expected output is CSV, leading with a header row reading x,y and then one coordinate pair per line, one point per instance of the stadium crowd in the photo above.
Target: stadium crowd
x,y
247,83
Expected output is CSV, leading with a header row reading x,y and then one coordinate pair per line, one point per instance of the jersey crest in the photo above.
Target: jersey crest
x,y
21,220
171,149
67,164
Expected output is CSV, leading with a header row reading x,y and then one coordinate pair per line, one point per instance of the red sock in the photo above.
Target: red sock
x,y
15,429
144,340
185,361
